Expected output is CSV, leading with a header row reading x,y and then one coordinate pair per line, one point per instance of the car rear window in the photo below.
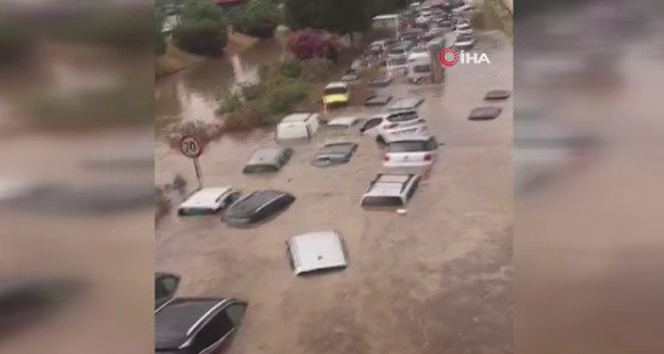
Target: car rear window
x,y
402,117
422,68
336,91
382,202
407,146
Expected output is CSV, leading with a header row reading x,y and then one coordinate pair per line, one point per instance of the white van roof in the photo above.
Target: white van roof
x,y
298,117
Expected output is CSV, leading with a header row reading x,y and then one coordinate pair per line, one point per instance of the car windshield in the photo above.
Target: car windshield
x,y
408,146
337,149
260,168
382,202
336,91
464,38
398,61
398,51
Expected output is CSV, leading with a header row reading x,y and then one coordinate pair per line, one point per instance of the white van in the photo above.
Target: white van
x,y
419,67
297,126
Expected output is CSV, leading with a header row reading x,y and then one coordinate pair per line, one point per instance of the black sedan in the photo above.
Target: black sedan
x,y
334,154
197,325
256,207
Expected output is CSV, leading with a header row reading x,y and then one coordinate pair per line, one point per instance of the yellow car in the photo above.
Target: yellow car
x,y
336,94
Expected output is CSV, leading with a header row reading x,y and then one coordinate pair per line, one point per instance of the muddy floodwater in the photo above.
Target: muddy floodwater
x,y
435,280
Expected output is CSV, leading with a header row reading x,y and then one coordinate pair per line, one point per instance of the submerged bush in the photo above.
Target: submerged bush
x,y
201,37
230,103
284,98
290,68
316,69
253,91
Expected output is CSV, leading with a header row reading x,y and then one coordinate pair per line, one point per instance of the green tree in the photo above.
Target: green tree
x,y
199,10
259,18
201,37
338,16
160,43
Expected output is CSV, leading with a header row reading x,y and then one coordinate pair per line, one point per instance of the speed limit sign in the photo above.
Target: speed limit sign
x,y
191,147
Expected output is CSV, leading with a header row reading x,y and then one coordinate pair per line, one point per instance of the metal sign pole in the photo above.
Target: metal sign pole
x,y
199,175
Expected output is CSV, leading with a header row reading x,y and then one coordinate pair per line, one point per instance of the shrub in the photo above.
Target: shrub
x,y
316,69
230,103
308,44
201,37
259,18
16,42
253,114
203,131
253,91
200,10
290,68
284,98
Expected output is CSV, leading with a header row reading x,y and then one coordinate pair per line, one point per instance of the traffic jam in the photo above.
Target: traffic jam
x,y
299,245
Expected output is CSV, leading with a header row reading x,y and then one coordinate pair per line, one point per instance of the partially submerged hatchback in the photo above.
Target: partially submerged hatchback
x,y
316,251
267,160
335,153
390,190
388,127
257,207
197,325
412,151
208,201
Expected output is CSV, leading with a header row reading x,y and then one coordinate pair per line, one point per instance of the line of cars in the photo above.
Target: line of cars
x,y
422,29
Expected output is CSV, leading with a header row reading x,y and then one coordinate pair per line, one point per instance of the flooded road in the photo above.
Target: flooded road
x,y
435,280
195,93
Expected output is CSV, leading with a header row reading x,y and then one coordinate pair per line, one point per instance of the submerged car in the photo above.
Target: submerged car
x,y
257,207
465,41
267,160
336,94
377,100
343,124
390,126
351,76
408,103
390,190
415,151
208,201
197,325
316,251
334,154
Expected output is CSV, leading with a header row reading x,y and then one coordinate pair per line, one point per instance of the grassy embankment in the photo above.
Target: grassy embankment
x,y
175,59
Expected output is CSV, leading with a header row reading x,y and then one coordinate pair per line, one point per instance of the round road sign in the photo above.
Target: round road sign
x,y
191,147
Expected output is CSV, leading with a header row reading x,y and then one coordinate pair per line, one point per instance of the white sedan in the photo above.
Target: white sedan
x,y
208,201
412,151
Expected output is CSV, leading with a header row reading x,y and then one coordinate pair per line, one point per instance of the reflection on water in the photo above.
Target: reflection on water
x,y
194,94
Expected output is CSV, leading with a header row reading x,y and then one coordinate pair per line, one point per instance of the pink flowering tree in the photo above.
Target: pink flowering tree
x,y
308,44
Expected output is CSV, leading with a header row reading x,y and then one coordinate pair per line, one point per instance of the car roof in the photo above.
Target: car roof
x,y
316,251
406,103
388,185
347,121
298,117
176,321
268,155
205,196
337,84
253,201
411,137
